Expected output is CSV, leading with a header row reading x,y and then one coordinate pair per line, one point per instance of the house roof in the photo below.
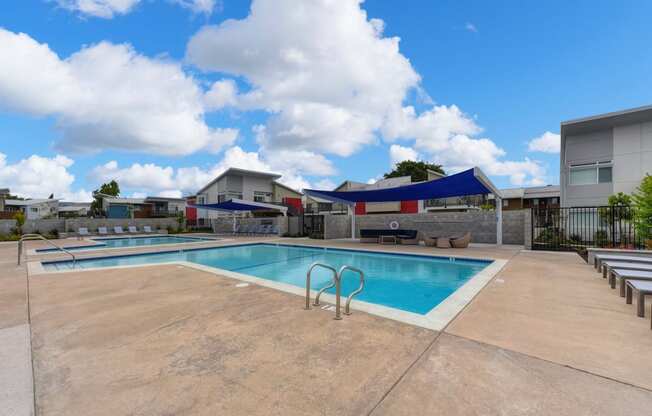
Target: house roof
x,y
243,172
512,193
606,120
549,191
163,199
27,202
125,200
4,191
277,183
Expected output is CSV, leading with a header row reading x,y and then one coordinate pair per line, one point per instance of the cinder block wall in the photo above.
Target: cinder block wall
x,y
72,225
225,225
481,224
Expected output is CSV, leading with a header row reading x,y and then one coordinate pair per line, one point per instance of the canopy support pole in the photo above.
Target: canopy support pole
x,y
499,221
233,222
352,210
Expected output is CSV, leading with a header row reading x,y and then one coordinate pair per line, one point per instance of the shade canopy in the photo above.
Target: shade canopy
x,y
237,205
469,182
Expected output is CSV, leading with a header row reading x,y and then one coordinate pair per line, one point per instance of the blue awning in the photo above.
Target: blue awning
x,y
469,182
236,205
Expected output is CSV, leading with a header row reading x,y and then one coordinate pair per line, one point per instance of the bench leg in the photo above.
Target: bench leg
x,y
612,280
640,307
628,294
623,283
604,272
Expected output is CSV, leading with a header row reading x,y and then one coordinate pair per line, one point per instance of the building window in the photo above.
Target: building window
x,y
505,203
260,196
590,174
33,209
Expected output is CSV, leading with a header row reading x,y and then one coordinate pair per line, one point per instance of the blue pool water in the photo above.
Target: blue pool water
x,y
121,242
408,282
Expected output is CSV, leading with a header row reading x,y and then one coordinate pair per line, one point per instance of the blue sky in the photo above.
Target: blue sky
x,y
164,94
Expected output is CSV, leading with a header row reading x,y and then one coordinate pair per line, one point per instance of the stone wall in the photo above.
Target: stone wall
x,y
481,224
45,226
527,229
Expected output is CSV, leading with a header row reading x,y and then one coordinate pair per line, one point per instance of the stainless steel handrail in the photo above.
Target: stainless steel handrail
x,y
347,307
32,237
312,266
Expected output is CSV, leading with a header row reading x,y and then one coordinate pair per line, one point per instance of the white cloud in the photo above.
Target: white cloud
x,y
98,8
471,27
325,184
38,177
107,9
323,70
221,94
107,96
399,153
548,142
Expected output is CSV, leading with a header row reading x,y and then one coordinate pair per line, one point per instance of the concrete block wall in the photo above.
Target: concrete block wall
x,y
45,226
527,229
481,224
225,225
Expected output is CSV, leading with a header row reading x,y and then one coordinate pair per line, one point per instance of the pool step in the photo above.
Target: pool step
x,y
337,283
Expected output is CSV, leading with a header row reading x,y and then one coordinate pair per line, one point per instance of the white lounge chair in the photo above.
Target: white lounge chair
x,y
133,229
118,230
147,229
102,231
83,232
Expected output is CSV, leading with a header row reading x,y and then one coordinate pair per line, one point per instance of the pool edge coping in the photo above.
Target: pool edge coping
x,y
435,319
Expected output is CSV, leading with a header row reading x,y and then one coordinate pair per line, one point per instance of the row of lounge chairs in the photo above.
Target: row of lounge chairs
x,y
117,230
633,273
256,229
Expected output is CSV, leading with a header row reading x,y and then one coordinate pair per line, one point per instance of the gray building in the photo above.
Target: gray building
x,y
603,155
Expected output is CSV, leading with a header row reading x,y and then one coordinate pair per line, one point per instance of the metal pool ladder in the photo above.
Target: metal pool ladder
x,y
337,283
31,237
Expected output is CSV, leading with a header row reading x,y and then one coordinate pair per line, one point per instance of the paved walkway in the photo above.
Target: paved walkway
x,y
546,336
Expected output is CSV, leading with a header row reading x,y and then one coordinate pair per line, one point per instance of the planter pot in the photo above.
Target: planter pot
x,y
648,244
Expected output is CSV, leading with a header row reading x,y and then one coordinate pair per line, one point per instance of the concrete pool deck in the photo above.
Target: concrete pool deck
x,y
545,336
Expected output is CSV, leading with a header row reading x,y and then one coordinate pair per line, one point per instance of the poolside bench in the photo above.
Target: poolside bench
x,y
102,231
642,287
625,275
147,229
133,229
82,232
607,266
600,258
118,230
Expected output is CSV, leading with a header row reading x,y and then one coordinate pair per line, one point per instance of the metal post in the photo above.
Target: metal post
x,y
352,210
499,221
338,289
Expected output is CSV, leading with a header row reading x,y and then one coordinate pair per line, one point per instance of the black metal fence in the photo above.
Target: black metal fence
x,y
577,228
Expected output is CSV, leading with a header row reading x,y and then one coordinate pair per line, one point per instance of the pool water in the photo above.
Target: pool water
x,y
122,242
411,283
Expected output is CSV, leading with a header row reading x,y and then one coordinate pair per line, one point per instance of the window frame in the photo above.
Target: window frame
x,y
596,166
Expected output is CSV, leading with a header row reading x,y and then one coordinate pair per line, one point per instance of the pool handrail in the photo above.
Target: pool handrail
x,y
310,269
347,307
32,237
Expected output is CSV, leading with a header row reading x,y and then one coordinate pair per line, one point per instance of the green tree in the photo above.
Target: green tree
x,y
642,201
20,221
110,188
418,170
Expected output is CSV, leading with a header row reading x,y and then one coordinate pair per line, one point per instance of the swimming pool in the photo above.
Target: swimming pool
x,y
122,242
412,283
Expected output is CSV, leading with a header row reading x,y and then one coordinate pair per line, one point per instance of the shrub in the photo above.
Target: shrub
x,y
20,221
601,238
642,199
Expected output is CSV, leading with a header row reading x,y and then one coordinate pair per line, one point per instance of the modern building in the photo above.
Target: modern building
x,y
604,154
149,207
532,197
248,185
34,209
4,194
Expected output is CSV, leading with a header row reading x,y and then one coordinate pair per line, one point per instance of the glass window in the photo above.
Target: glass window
x,y
583,176
604,174
505,203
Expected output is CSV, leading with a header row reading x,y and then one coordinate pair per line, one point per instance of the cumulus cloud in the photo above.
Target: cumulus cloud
x,y
107,9
470,27
548,142
399,153
323,70
107,96
325,184
38,177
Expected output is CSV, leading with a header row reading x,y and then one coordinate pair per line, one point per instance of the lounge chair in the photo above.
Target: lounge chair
x,y
273,230
625,275
410,237
599,258
102,231
83,232
133,229
643,288
118,230
245,229
461,242
147,229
